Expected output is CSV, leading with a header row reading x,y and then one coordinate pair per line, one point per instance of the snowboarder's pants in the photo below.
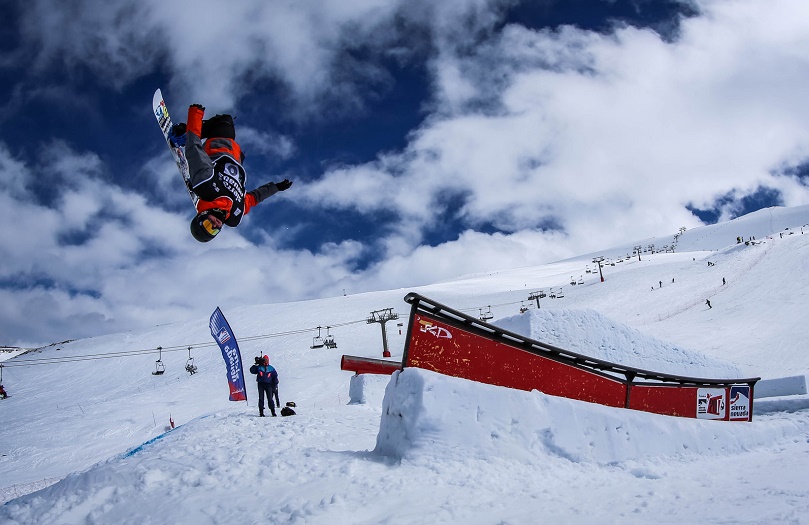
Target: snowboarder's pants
x,y
200,166
265,388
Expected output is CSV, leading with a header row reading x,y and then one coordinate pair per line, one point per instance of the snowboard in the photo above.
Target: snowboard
x,y
161,113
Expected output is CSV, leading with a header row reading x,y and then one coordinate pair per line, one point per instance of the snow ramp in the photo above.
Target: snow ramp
x,y
426,415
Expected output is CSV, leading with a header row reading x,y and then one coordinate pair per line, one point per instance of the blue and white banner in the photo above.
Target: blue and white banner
x,y
220,330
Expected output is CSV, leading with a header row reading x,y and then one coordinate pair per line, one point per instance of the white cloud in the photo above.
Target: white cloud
x,y
608,136
589,129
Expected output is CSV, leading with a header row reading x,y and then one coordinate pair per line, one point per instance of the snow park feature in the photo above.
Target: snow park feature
x,y
450,342
86,438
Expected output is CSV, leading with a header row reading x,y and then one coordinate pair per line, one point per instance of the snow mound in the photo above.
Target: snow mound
x,y
428,415
592,334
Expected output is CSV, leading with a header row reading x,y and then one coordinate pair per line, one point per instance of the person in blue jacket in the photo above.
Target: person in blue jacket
x,y
267,380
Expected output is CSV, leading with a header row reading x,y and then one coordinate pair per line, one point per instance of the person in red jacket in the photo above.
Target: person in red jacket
x,y
216,173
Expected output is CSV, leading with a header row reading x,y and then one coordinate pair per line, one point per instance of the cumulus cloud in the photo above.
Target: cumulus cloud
x,y
561,141
99,258
585,130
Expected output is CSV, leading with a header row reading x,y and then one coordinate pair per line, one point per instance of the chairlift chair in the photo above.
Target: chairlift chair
x,y
190,367
485,316
523,308
317,341
561,294
159,367
328,341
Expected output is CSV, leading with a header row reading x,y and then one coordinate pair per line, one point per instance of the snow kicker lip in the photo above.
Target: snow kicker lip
x,y
445,340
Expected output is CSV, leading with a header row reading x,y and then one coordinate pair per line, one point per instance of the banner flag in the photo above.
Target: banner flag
x,y
221,332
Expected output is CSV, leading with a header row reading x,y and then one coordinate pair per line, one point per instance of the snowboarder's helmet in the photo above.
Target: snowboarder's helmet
x,y
202,228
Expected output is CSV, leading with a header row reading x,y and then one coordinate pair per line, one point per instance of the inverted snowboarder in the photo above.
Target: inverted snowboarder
x,y
216,173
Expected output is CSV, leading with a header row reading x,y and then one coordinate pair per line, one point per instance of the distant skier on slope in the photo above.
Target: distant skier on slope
x,y
217,174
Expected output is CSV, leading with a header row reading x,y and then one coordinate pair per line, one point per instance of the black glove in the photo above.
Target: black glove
x,y
283,185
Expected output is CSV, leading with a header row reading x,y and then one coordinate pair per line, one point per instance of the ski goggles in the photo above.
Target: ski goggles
x,y
208,226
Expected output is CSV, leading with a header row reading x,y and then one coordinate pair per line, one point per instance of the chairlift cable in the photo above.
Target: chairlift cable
x,y
175,348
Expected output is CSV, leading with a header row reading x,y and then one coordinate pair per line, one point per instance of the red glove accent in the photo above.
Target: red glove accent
x,y
194,122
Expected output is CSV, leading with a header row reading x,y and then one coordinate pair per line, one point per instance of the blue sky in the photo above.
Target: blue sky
x,y
425,141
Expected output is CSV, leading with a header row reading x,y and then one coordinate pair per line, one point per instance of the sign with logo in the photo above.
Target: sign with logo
x,y
223,335
740,403
711,403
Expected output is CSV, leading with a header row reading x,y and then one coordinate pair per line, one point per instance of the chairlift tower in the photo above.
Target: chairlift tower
x,y
598,261
535,296
638,249
382,317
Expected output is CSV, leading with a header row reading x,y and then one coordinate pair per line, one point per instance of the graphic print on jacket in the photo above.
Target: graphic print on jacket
x,y
226,180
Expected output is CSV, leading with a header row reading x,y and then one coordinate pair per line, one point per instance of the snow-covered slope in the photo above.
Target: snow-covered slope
x,y
466,453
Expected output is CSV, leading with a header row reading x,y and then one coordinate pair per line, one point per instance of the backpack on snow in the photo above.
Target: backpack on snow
x,y
287,410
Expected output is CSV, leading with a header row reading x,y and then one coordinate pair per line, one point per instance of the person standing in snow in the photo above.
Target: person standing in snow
x,y
3,393
708,302
267,380
217,174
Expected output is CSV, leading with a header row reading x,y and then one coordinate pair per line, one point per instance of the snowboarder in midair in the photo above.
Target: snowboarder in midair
x,y
217,174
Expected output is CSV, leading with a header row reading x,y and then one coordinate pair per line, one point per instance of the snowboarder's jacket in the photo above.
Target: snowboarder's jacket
x,y
223,188
265,374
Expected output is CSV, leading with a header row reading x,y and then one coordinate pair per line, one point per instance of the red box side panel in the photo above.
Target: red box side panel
x,y
668,400
456,352
363,365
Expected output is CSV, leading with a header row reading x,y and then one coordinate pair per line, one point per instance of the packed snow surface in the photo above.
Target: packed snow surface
x,y
86,435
